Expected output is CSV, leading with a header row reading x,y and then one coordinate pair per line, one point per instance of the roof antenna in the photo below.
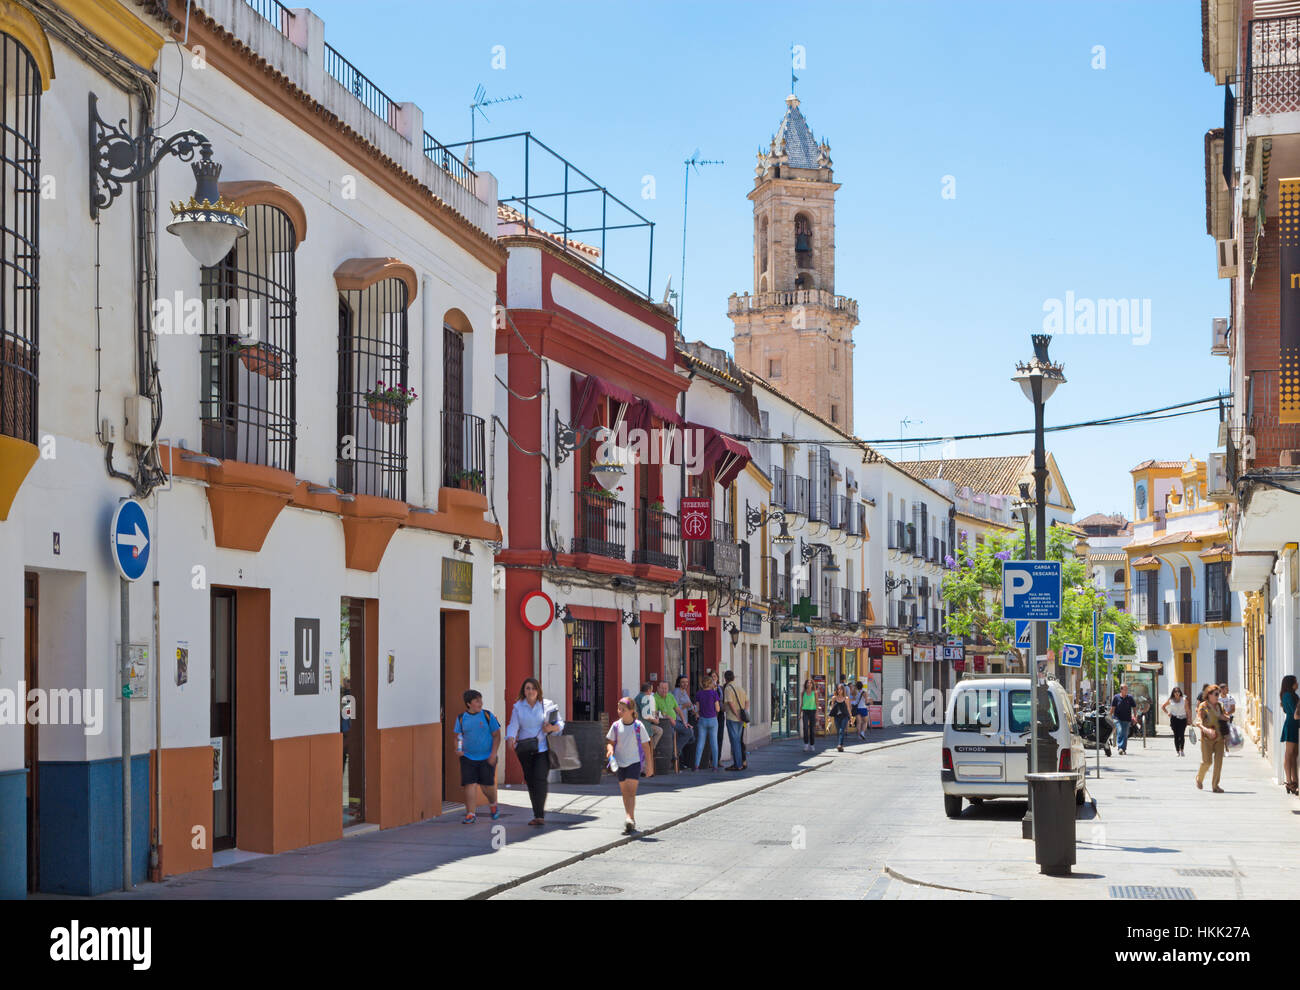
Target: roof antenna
x,y
695,161
482,100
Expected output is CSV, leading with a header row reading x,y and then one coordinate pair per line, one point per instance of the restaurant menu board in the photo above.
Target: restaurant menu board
x,y
819,686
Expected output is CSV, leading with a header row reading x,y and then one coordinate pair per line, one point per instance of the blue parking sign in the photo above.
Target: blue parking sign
x,y
1072,655
1031,589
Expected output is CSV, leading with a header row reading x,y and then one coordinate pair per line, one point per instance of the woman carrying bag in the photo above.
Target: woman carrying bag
x,y
840,712
532,720
1214,732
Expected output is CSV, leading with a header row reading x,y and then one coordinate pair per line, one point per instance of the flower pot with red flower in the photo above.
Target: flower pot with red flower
x,y
388,403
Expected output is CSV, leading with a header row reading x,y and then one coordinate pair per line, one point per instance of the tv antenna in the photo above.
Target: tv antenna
x,y
481,100
695,161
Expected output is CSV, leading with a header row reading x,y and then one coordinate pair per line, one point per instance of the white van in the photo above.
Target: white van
x,y
986,735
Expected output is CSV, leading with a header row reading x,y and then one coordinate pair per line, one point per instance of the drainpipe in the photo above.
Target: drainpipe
x,y
428,438
155,851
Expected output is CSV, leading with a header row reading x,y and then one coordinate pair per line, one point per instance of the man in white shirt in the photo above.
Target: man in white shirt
x,y
648,713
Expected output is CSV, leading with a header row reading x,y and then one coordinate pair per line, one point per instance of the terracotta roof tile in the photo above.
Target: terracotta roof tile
x,y
990,475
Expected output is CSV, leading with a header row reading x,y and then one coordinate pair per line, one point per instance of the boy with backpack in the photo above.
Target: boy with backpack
x,y
478,737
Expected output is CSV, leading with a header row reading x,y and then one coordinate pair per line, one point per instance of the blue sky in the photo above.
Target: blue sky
x,y
1067,178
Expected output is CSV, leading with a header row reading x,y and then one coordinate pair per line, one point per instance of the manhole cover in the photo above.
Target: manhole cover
x,y
1143,892
1207,871
582,889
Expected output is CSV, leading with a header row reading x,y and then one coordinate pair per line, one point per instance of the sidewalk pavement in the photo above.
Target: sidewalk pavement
x,y
1152,835
444,859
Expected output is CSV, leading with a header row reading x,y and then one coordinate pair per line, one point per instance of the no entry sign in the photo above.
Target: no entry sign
x,y
537,610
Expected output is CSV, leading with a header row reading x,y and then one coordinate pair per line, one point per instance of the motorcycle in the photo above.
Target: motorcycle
x,y
1087,727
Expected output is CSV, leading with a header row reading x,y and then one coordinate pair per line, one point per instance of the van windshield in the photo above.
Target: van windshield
x,y
1018,703
976,710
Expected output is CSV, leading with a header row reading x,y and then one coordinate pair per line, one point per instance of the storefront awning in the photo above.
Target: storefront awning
x,y
646,411
587,395
725,456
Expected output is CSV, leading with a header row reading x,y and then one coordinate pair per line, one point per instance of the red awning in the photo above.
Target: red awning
x,y
725,456
587,394
646,411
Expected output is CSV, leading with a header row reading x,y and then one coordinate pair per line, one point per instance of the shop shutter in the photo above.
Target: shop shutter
x,y
894,679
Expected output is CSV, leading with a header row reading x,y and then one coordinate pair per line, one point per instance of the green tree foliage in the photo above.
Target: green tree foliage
x,y
972,590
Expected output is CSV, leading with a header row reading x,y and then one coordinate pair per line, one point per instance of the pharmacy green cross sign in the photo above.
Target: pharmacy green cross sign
x,y
804,611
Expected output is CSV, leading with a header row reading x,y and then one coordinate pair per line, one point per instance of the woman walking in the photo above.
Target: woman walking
x,y
840,712
862,708
532,719
1214,732
808,709
1290,731
706,730
624,751
1176,708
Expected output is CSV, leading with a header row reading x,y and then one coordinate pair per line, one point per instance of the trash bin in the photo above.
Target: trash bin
x,y
1053,802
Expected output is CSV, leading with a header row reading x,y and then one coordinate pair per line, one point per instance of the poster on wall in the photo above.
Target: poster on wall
x,y
392,666
284,671
877,664
306,665
1288,397
138,662
216,742
327,671
182,663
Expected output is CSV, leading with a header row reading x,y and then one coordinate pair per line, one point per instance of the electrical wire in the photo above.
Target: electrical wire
x,y
1136,417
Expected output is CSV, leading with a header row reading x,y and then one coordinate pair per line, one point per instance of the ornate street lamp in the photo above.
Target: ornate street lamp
x,y
633,620
207,225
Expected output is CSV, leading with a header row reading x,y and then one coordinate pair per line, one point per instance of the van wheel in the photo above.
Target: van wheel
x,y
952,806
976,800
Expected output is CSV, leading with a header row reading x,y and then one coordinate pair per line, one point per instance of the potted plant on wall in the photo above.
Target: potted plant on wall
x,y
259,357
471,480
388,402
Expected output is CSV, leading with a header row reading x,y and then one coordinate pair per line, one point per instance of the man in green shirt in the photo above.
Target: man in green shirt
x,y
670,714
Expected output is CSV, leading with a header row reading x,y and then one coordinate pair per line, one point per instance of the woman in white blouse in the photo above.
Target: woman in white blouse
x,y
532,719
1176,708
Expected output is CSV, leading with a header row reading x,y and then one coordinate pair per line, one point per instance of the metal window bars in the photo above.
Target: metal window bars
x,y
20,149
1273,66
658,541
601,525
248,351
373,358
463,451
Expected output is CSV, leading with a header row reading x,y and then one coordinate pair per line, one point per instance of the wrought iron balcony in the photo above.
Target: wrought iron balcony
x,y
1182,612
657,539
601,525
778,498
1219,610
1273,66
864,611
819,509
719,556
770,579
839,513
463,460
847,601
800,506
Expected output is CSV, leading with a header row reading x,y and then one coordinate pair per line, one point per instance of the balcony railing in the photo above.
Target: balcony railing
x,y
863,611
796,297
1182,612
441,155
896,536
355,81
273,12
777,499
719,556
839,512
1219,611
800,506
847,601
601,525
819,509
463,460
1273,66
657,538
770,574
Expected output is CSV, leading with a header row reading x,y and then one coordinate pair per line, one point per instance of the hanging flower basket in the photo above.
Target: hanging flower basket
x,y
262,359
388,402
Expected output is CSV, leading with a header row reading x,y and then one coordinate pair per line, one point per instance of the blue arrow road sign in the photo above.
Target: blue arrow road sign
x,y
1031,589
1022,633
129,540
1108,645
1072,655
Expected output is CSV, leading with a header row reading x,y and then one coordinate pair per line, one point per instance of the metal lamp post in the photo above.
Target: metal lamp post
x,y
1038,379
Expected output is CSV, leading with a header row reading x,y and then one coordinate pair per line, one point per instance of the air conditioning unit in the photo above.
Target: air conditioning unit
x,y
1227,258
1219,336
1217,488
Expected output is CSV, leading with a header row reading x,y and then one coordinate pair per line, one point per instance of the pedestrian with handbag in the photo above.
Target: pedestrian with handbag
x,y
532,720
862,707
1176,708
808,712
1214,733
625,749
840,712
736,701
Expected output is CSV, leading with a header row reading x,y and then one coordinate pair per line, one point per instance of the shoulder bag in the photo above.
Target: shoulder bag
x,y
744,714
527,746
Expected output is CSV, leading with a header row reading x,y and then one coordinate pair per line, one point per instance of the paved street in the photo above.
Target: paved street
x,y
875,828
